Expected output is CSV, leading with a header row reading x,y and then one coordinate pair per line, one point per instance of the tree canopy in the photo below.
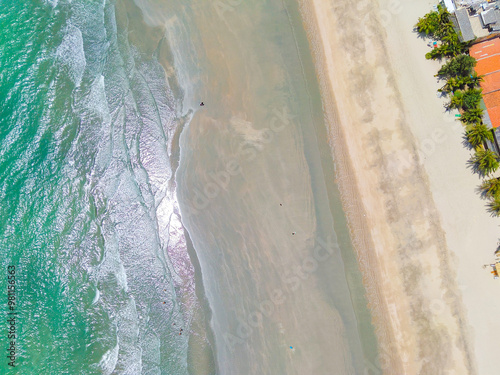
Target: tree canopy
x,y
435,24
478,134
460,83
461,65
472,116
486,161
494,206
471,99
491,188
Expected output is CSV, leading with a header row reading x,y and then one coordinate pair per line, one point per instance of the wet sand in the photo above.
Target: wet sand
x,y
254,197
254,200
420,230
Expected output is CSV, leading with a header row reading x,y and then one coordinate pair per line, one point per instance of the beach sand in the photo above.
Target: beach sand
x,y
283,296
421,231
257,223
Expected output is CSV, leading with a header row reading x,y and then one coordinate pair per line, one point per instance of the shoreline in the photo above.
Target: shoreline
x,y
416,316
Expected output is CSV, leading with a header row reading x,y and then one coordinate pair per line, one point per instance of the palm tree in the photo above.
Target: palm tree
x,y
478,134
445,27
425,25
436,53
455,83
486,161
471,98
460,65
494,207
472,116
474,80
451,43
450,86
491,188
428,24
457,100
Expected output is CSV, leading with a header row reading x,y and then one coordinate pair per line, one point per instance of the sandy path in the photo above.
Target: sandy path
x,y
394,153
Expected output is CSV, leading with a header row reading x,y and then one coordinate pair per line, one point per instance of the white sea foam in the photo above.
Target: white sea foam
x,y
97,100
71,54
108,361
96,297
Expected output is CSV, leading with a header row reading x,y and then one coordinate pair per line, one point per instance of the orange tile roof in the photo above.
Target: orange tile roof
x,y
487,55
491,82
488,65
485,49
492,102
494,114
492,99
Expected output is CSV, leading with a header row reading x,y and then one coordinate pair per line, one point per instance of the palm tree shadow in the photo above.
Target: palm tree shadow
x,y
497,251
491,210
420,34
441,94
483,194
466,143
474,166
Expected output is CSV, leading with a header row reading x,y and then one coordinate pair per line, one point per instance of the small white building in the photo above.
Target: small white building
x,y
450,6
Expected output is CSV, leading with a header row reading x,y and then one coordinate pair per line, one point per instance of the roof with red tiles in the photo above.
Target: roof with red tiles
x,y
487,55
491,82
492,102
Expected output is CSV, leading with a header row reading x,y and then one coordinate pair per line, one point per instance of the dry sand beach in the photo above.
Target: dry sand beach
x,y
420,230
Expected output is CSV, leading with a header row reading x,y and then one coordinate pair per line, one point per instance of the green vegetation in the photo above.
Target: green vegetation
x,y
431,23
471,99
477,134
462,87
472,116
466,100
438,26
491,188
458,66
461,83
486,161
494,206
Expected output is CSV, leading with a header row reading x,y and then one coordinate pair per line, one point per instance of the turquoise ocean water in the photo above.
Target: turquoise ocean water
x,y
88,210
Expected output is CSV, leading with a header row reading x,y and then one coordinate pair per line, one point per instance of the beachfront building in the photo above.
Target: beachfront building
x,y
487,54
462,24
474,18
450,5
490,19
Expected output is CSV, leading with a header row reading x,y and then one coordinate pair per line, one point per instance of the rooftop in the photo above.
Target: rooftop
x,y
488,65
491,82
462,23
487,55
490,17
477,26
485,49
465,3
